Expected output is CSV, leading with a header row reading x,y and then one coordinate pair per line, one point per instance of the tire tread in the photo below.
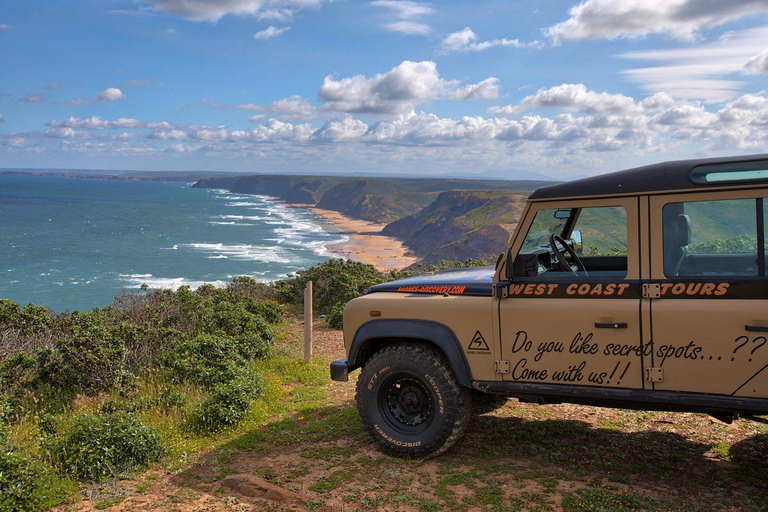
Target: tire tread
x,y
457,417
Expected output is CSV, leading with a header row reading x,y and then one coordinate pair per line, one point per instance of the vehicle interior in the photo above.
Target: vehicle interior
x,y
583,242
712,238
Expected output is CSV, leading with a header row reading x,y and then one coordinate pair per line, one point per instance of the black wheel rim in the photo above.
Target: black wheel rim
x,y
406,403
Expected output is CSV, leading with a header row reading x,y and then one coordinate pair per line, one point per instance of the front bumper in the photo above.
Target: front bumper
x,y
340,370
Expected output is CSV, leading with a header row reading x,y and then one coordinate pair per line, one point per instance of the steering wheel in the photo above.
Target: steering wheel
x,y
557,239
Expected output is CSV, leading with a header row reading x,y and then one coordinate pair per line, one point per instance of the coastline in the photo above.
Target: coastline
x,y
365,243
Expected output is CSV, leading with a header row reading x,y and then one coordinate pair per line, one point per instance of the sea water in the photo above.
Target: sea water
x,y
70,243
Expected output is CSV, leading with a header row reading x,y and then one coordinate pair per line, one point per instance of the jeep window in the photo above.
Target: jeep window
x,y
603,231
711,238
597,234
546,223
732,172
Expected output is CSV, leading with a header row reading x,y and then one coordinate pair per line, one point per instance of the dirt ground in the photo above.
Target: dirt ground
x,y
518,457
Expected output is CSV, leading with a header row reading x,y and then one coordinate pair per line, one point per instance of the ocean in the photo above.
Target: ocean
x,y
70,243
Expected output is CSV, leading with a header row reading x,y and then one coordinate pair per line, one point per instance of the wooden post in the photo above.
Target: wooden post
x,y
308,322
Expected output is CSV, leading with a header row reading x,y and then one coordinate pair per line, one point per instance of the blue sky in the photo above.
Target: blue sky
x,y
560,88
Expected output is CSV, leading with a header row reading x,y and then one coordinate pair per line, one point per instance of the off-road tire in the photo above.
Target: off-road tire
x,y
393,388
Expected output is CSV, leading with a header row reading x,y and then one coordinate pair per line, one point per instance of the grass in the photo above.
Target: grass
x,y
304,435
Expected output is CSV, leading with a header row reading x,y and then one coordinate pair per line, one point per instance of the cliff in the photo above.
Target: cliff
x,y
461,224
379,200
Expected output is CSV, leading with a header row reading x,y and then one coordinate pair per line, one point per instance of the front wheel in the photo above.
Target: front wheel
x,y
410,403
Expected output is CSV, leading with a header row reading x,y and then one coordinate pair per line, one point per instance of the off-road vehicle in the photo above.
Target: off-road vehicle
x,y
641,289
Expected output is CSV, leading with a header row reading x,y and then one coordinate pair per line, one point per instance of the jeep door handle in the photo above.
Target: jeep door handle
x,y
611,325
756,328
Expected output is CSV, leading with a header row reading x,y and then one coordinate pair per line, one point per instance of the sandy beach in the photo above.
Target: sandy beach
x,y
365,243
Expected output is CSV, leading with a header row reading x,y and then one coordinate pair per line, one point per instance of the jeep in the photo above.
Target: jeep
x,y
640,289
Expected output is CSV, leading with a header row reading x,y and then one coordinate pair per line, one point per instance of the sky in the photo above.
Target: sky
x,y
560,88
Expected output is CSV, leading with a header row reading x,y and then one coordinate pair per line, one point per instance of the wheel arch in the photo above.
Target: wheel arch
x,y
376,334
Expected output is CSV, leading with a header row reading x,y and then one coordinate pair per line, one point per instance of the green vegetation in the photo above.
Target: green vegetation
x,y
155,376
336,316
99,445
228,403
336,282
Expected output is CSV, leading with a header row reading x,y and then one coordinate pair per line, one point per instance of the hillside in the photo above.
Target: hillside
x,y
380,200
461,224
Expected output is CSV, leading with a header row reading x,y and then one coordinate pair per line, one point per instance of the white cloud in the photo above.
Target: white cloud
x,y
2,119
405,8
281,15
51,85
214,10
111,94
596,19
758,64
700,72
4,26
33,98
347,129
64,133
270,32
97,123
405,13
292,107
567,125
257,118
572,97
277,131
409,27
398,90
488,89
466,40
172,134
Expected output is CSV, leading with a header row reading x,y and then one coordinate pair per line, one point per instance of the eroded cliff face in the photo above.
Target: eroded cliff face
x,y
436,218
461,224
371,199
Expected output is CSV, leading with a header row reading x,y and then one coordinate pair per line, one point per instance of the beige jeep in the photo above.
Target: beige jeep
x,y
641,289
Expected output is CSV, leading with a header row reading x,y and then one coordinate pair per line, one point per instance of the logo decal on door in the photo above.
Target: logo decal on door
x,y
478,343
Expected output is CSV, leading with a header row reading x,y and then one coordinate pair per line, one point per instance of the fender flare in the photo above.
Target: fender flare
x,y
423,330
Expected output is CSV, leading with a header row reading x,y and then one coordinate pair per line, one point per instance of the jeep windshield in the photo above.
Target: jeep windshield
x,y
543,227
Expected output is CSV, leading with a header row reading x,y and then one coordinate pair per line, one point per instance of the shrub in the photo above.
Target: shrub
x,y
270,311
207,360
334,281
144,343
16,371
249,287
227,404
6,410
88,359
107,444
232,318
336,316
21,479
255,346
31,319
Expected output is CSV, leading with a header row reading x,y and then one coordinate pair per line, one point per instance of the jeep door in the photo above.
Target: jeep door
x,y
710,320
573,327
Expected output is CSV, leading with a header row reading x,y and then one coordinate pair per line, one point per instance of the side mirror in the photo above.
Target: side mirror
x,y
578,246
508,270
